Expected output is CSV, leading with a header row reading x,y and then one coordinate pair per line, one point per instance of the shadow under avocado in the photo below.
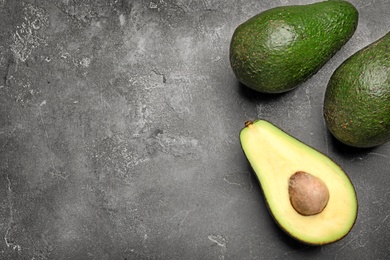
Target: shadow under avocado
x,y
346,151
256,97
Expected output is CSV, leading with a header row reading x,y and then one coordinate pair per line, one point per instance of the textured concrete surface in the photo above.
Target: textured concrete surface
x,y
119,125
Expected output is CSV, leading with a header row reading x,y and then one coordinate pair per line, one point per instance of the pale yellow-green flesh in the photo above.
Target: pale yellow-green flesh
x,y
275,156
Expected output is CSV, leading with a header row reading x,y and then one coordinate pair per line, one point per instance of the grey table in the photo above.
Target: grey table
x,y
119,125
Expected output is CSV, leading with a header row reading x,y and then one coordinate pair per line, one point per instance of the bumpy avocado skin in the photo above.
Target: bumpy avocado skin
x,y
279,48
357,98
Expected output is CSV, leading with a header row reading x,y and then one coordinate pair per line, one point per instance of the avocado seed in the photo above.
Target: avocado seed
x,y
308,194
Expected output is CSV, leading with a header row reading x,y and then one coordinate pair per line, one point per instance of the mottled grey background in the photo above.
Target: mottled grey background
x,y
119,125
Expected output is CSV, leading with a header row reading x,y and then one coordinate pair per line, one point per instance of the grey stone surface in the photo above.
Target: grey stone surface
x,y
119,125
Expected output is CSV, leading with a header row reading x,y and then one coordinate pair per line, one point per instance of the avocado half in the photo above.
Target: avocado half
x,y
275,156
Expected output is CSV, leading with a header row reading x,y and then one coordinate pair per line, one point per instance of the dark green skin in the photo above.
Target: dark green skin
x,y
280,48
357,98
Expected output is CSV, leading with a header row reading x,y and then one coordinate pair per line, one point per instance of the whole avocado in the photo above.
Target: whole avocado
x,y
277,49
357,98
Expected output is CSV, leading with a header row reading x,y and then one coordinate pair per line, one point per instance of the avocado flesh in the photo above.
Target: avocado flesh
x,y
274,157
357,98
277,49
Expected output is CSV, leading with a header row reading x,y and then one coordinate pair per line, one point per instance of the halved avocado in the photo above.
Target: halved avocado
x,y
275,157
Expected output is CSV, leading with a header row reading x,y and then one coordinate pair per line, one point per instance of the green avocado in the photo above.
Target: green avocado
x,y
357,99
277,49
309,196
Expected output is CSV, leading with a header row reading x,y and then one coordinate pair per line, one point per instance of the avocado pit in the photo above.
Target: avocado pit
x,y
309,195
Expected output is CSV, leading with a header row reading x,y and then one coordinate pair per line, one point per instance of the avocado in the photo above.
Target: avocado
x,y
357,98
309,196
279,48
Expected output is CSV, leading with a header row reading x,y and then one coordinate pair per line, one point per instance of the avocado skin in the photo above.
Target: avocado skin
x,y
277,49
357,98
